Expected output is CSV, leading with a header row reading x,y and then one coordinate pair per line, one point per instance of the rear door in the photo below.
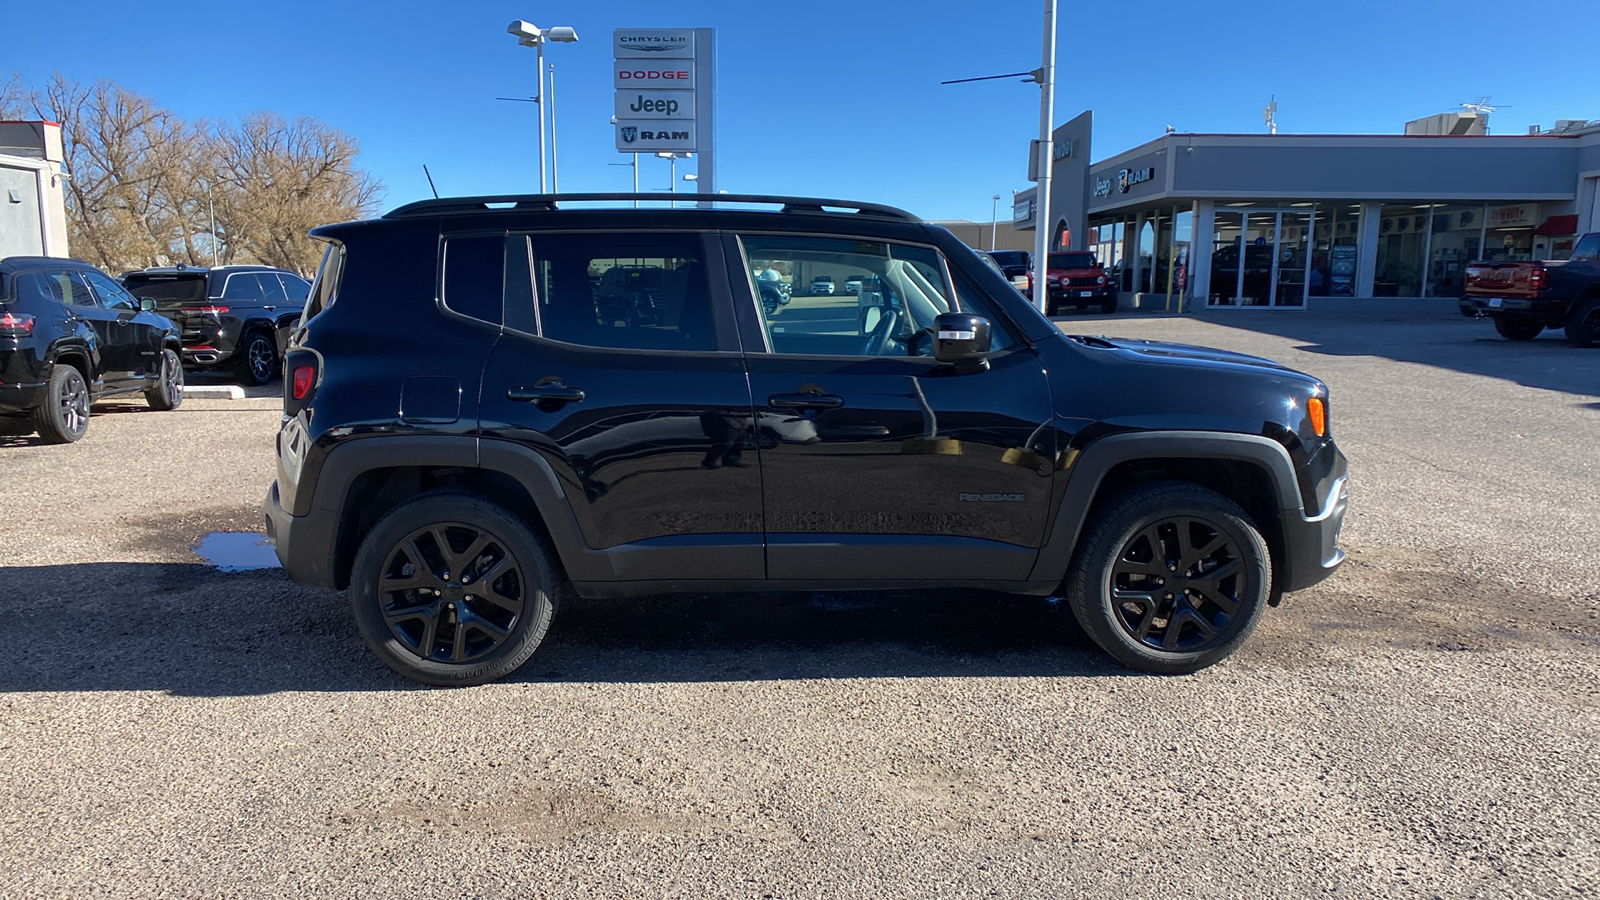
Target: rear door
x,y
620,366
117,350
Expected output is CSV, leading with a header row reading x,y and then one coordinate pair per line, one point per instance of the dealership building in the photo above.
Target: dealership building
x,y
1211,222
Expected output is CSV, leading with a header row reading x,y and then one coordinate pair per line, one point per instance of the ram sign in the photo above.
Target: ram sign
x,y
654,135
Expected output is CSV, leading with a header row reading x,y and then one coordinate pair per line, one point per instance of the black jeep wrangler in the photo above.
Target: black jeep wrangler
x,y
472,428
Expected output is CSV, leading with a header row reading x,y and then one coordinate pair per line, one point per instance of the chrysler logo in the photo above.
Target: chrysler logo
x,y
630,134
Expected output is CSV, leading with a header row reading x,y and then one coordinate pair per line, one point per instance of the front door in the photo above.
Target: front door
x,y
117,352
879,464
620,366
138,334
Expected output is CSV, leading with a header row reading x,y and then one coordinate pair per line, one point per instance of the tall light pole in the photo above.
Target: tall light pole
x,y
1047,99
674,156
994,220
531,35
555,167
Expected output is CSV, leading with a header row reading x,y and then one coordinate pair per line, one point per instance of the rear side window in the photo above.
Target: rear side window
x,y
623,291
244,287
294,287
474,276
325,289
273,287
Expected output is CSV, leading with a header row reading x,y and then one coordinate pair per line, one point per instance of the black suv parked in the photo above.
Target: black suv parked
x,y
233,316
471,430
69,336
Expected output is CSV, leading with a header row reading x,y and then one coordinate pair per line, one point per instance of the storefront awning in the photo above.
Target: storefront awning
x,y
1558,225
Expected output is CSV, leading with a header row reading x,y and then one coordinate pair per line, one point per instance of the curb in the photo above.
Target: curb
x,y
213,392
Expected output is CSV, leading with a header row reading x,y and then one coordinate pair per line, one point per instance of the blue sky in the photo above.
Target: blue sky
x,y
822,97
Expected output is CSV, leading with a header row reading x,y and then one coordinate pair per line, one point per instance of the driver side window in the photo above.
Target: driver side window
x,y
845,297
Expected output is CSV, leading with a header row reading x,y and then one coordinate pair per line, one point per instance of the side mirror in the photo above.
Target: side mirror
x,y
960,339
147,304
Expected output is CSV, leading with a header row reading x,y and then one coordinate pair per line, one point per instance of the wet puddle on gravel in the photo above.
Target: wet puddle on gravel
x,y
237,551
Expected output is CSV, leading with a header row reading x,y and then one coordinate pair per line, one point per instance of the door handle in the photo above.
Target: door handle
x,y
805,401
269,308
555,392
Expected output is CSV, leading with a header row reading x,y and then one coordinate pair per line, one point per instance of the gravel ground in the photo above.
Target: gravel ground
x,y
1421,725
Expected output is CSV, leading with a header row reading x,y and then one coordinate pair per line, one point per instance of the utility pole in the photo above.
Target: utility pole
x,y
555,167
1042,223
994,220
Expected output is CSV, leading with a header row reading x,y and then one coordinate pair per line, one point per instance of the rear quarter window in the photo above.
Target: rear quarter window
x,y
325,287
474,276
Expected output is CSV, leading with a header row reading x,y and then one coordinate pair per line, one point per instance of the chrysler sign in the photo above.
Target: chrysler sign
x,y
653,43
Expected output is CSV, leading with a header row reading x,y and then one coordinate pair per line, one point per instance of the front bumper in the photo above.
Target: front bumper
x,y
1311,543
1069,294
305,545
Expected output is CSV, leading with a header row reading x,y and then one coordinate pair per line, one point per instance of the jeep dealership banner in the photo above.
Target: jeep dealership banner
x,y
655,72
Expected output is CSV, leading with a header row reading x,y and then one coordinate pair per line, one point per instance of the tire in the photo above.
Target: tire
x,y
1513,328
64,416
257,359
416,627
1108,306
168,392
1583,325
1119,583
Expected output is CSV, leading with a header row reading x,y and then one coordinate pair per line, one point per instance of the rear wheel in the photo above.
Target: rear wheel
x,y
168,391
258,359
64,415
1583,326
1513,328
1171,578
451,589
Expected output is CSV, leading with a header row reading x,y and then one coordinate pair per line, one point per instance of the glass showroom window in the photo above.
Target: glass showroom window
x,y
1510,231
1456,240
1402,244
1336,250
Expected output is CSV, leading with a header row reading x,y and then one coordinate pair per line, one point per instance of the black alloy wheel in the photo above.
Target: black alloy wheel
x,y
1175,585
168,390
64,416
1583,328
1171,578
451,589
258,359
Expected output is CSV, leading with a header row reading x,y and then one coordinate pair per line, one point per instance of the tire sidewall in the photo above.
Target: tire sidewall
x,y
165,396
246,371
535,561
1090,580
1584,328
49,422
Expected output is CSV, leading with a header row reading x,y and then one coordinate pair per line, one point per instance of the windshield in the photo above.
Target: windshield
x,y
1072,261
168,291
1010,257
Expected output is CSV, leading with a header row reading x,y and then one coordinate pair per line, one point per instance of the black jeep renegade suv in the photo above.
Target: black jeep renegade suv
x,y
492,402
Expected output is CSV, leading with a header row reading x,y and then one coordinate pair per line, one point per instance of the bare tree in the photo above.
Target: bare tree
x,y
147,188
12,97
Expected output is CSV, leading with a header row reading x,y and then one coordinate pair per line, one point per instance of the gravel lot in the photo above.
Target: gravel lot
x,y
1422,725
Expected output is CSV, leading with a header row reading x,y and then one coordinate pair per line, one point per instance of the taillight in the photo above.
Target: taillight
x,y
1536,278
16,324
303,376
213,310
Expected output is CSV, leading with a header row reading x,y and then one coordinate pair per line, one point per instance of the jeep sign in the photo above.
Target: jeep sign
x,y
652,135
655,104
633,74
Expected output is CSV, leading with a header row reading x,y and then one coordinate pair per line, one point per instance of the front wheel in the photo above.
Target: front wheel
x,y
1583,326
1171,578
1517,329
168,390
1108,305
451,589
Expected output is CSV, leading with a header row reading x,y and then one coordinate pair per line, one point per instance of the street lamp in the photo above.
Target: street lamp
x,y
673,183
994,220
530,35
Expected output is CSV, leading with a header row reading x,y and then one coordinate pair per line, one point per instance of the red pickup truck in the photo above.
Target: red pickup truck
x,y
1525,298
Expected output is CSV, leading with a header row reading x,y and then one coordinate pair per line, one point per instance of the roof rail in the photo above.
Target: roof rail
x,y
549,202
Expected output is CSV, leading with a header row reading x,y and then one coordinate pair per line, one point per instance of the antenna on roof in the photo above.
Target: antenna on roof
x,y
430,181
1269,114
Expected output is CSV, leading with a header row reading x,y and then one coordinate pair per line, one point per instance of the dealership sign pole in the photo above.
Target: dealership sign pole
x,y
664,82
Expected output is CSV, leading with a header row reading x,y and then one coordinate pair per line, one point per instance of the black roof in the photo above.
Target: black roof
x,y
17,262
202,270
551,202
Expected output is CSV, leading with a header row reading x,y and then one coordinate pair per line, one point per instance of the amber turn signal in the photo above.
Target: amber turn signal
x,y
1318,415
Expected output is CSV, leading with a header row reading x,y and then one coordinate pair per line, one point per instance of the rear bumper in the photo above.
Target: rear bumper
x,y
20,398
1531,307
1311,543
304,544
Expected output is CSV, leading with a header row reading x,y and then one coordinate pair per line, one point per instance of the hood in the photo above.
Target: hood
x,y
1160,350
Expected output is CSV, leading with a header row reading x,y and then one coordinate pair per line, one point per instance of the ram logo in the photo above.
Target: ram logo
x,y
630,134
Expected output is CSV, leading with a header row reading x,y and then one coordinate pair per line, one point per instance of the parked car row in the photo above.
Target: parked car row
x,y
72,336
